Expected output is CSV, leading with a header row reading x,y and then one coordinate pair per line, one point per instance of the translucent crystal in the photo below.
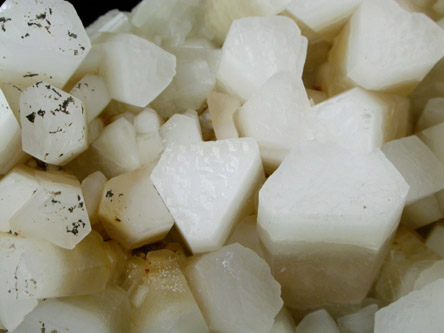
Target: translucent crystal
x,y
233,282
318,321
206,187
222,108
92,188
147,121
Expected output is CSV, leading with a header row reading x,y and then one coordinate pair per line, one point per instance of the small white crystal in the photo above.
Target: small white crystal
x,y
362,321
150,148
104,312
318,321
234,283
12,93
255,49
419,311
246,235
95,128
222,108
93,92
433,114
147,121
283,322
92,188
132,211
206,187
135,70
40,40
180,129
418,165
54,125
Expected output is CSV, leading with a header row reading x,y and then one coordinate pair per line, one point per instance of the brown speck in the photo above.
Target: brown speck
x,y
109,194
31,117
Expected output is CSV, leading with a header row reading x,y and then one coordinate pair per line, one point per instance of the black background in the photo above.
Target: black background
x,y
89,10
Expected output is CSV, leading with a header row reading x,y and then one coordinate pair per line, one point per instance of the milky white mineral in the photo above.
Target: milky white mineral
x,y
54,124
112,21
222,108
277,45
163,302
317,321
246,235
418,165
135,70
283,322
234,282
207,186
326,217
180,129
132,211
95,128
362,321
93,92
147,121
105,312
12,93
92,188
419,311
40,40
433,114
150,147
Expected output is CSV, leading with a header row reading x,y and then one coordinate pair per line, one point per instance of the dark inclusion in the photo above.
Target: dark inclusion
x,y
31,117
75,227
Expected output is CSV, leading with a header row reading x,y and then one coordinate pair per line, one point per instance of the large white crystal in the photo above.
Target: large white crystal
x,y
255,49
222,108
93,92
92,188
55,212
196,70
135,70
180,129
40,40
362,321
162,300
419,311
433,114
206,187
132,211
234,283
147,121
418,165
104,312
324,218
10,139
54,124
317,321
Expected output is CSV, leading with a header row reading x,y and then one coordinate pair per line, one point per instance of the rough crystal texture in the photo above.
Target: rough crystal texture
x,y
180,129
40,40
54,125
135,70
234,283
206,186
433,114
93,92
420,311
418,165
162,300
362,321
55,212
246,235
10,143
222,108
132,211
92,188
104,312
318,321
195,76
324,218
275,42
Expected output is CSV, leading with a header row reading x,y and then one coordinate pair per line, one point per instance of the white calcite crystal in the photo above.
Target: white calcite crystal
x,y
246,235
54,124
10,137
55,212
222,108
93,92
317,321
435,239
92,188
206,187
104,312
277,45
196,70
12,93
147,121
135,70
220,14
433,114
162,300
180,129
325,17
419,311
95,128
283,322
362,321
433,138
116,149
386,48
112,21
150,147
234,283
418,165
40,40
132,211
407,259
326,217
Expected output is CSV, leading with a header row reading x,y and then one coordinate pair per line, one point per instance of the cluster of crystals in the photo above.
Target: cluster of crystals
x,y
231,166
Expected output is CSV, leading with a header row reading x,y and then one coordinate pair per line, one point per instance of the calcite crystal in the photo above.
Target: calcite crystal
x,y
245,234
222,108
180,129
206,187
92,188
275,41
54,124
318,321
233,282
433,114
326,218
40,40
